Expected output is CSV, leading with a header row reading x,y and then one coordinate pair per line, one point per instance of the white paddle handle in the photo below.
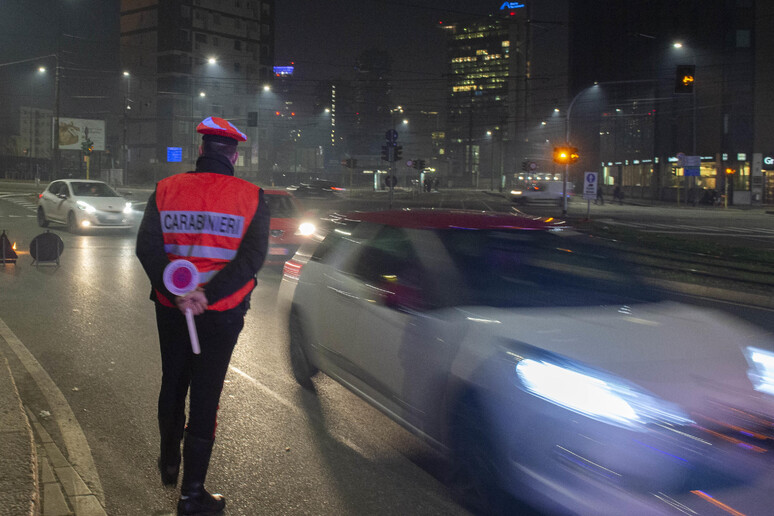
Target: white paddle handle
x,y
189,318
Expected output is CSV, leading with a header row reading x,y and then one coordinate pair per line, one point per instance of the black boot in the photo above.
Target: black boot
x,y
194,499
171,432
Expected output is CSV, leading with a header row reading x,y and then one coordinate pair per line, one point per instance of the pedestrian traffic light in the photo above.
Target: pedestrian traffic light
x,y
685,78
566,155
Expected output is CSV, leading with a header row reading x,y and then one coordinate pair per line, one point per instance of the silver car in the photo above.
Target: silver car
x,y
83,205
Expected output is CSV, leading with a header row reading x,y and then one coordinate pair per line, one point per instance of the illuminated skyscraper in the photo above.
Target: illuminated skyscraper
x,y
506,77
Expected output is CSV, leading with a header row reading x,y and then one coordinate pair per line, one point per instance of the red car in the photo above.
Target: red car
x,y
290,226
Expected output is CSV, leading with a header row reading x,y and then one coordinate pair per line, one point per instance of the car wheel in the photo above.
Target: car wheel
x,y
42,221
474,474
302,369
72,223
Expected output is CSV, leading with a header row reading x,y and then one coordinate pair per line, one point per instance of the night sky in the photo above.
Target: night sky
x,y
322,38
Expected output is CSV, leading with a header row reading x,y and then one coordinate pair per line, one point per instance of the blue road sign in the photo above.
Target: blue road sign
x,y
174,154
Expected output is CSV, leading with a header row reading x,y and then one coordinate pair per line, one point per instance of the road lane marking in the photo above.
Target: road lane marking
x,y
264,388
78,450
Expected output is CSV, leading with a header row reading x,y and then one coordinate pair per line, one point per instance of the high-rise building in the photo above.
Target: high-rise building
x,y
507,75
185,60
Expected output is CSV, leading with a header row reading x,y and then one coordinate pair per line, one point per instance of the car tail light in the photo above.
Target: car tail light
x,y
292,269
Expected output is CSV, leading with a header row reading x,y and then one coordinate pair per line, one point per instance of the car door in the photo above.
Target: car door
x,y
57,198
379,297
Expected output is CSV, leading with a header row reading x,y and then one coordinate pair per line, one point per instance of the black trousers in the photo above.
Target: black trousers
x,y
203,374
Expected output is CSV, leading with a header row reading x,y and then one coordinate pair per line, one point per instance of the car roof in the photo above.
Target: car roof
x,y
449,219
81,181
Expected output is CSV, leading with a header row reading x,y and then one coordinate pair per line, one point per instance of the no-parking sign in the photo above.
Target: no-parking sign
x,y
590,185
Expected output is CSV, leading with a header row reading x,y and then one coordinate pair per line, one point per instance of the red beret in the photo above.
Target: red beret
x,y
219,127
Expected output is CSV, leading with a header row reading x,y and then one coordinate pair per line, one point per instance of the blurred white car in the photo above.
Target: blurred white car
x,y
83,204
540,192
518,348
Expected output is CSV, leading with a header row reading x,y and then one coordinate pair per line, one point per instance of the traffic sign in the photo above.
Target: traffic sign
x,y
590,185
692,165
181,277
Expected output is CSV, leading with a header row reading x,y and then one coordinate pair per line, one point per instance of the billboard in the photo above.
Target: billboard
x,y
73,132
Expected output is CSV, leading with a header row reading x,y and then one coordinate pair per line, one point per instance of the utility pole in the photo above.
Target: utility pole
x,y
56,166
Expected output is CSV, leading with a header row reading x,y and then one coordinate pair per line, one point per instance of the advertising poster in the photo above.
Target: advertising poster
x,y
73,132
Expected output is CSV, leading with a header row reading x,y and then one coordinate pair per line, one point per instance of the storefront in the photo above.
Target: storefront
x,y
729,176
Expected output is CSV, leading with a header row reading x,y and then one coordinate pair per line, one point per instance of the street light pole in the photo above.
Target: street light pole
x,y
125,157
567,126
55,167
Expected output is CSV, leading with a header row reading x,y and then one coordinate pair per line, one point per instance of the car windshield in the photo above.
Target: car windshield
x,y
537,269
95,189
281,206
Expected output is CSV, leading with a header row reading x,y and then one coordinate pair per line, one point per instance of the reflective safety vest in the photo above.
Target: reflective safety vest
x,y
204,217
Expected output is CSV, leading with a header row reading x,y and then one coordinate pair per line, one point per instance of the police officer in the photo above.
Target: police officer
x,y
221,224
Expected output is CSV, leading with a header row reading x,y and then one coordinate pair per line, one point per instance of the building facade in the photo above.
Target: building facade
x,y
507,75
634,124
185,60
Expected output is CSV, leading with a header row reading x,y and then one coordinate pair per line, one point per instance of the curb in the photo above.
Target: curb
x,y
19,483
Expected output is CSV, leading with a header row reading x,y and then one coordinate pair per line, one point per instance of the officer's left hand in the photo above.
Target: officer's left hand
x,y
196,301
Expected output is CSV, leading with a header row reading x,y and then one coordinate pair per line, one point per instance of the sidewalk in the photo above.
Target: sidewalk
x,y
35,478
19,474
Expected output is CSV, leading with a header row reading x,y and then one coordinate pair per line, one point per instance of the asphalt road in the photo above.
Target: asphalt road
x,y
280,450
90,325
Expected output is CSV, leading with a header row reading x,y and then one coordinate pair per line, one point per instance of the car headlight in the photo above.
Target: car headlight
x,y
128,208
595,394
516,192
88,208
761,372
306,229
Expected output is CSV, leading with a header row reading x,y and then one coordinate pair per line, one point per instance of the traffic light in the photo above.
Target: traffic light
x,y
566,155
398,153
352,163
385,153
685,78
421,164
87,146
525,165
